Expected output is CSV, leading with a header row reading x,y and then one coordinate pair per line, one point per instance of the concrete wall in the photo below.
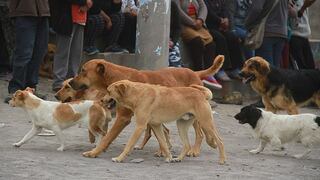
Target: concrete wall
x,y
152,38
315,20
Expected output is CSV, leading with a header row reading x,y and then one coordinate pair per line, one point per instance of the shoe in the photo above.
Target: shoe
x,y
8,98
116,49
234,74
212,82
41,96
91,50
258,104
222,76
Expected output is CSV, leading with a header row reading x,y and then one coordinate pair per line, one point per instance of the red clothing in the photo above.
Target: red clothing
x,y
192,11
78,16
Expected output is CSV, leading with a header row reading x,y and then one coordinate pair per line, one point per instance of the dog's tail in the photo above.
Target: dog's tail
x,y
217,64
205,91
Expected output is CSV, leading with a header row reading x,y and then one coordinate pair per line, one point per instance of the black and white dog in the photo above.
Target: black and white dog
x,y
279,129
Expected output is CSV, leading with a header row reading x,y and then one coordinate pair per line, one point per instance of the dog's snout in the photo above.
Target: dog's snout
x,y
237,116
72,83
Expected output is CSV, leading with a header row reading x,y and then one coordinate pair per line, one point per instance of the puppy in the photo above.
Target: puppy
x,y
67,94
46,67
279,129
155,105
57,116
282,88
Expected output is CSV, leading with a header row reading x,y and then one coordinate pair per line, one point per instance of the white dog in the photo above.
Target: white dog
x,y
279,129
57,116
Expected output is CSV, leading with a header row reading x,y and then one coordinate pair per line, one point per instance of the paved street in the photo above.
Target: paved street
x,y
38,159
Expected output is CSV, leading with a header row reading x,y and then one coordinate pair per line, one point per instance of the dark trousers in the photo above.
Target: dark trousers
x,y
229,46
300,50
201,55
31,46
94,26
118,21
127,37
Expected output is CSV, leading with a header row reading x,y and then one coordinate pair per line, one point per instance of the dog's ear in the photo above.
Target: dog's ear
x,y
100,69
31,90
20,95
262,68
121,89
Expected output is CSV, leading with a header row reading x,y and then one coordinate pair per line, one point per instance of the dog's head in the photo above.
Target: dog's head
x,y
116,92
254,68
249,114
92,74
19,97
66,93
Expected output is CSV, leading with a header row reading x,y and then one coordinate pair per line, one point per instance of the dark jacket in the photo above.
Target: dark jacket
x,y
216,10
35,8
175,24
61,17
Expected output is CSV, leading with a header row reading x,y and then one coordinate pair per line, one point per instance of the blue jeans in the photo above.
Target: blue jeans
x,y
271,50
30,49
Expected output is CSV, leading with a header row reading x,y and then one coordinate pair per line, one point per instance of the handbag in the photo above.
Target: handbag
x,y
255,35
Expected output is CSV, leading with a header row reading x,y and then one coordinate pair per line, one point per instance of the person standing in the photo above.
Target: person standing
x,y
68,21
276,31
32,29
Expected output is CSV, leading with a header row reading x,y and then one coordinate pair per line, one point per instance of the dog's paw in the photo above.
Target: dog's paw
x,y
254,151
89,154
16,144
193,152
61,148
137,148
221,162
159,153
116,159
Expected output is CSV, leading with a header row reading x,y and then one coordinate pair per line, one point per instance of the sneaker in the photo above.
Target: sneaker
x,y
41,96
222,76
8,98
234,74
212,82
116,49
91,50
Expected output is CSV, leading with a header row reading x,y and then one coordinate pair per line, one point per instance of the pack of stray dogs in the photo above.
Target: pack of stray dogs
x,y
173,94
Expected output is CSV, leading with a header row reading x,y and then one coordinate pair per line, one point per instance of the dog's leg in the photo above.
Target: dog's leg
x,y
260,148
141,124
195,150
60,137
276,143
122,120
34,131
268,105
92,137
147,136
159,133
183,127
160,152
212,136
306,152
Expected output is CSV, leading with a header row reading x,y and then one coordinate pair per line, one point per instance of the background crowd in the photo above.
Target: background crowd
x,y
203,28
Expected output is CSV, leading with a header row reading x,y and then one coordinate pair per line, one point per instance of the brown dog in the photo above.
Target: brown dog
x,y
67,94
99,74
282,88
155,105
46,67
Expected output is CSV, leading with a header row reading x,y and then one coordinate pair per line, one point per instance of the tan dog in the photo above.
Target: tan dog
x,y
58,116
282,88
155,105
99,74
67,94
46,67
